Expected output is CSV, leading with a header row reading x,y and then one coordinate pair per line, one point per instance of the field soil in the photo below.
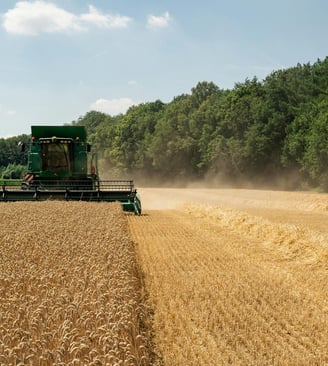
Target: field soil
x,y
235,277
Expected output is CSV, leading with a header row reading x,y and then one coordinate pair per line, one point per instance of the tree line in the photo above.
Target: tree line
x,y
12,161
271,132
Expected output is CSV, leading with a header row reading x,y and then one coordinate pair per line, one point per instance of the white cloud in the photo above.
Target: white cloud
x,y
112,106
132,82
32,18
159,21
100,20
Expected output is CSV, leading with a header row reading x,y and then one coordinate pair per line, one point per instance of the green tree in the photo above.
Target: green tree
x,y
10,151
133,137
173,148
316,153
13,171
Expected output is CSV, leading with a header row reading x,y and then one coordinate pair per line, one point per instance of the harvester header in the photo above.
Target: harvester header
x,y
62,166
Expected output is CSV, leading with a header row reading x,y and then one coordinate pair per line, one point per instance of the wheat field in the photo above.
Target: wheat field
x,y
70,291
239,285
215,277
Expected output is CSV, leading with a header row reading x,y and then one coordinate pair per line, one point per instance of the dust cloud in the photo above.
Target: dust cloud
x,y
172,198
266,192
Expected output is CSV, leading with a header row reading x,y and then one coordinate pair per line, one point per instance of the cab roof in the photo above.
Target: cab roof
x,y
59,131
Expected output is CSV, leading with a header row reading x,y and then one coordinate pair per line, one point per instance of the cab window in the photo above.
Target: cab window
x,y
56,157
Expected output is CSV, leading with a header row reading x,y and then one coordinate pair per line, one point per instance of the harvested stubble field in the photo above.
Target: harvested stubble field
x,y
70,291
242,281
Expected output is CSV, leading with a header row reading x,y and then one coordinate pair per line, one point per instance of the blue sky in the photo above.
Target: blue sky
x,y
61,59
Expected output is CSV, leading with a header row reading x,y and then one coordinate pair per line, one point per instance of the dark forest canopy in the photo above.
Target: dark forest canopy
x,y
271,132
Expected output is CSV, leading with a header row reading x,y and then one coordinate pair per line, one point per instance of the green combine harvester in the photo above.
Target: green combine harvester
x,y
61,166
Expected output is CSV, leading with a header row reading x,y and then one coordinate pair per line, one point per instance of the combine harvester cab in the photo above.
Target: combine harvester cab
x,y
61,166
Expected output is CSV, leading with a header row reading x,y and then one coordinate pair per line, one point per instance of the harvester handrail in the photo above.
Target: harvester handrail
x,y
104,185
116,185
87,185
